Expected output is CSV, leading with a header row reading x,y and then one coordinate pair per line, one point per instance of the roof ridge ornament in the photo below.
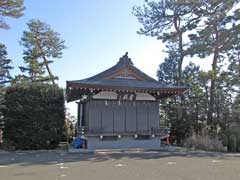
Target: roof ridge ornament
x,y
125,60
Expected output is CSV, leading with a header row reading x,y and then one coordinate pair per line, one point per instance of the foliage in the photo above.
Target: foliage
x,y
193,119
215,36
5,67
234,67
231,138
190,28
167,71
169,21
69,127
40,43
204,143
5,76
10,8
34,68
180,126
34,116
236,110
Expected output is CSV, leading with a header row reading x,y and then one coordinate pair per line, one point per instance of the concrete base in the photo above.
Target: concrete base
x,y
95,144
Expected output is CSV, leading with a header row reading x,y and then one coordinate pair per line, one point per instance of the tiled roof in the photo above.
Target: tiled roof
x,y
130,83
107,80
124,61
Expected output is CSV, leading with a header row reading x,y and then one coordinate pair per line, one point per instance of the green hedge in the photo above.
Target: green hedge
x,y
34,116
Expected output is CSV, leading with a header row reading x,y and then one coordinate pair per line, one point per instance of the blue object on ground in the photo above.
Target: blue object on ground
x,y
77,143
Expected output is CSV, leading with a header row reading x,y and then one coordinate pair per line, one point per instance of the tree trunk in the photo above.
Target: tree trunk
x,y
238,62
179,64
180,59
176,21
45,61
48,69
213,79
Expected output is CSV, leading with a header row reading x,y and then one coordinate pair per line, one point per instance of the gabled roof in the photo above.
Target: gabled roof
x,y
124,63
122,76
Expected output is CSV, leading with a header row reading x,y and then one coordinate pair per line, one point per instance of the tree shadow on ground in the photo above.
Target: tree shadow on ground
x,y
55,157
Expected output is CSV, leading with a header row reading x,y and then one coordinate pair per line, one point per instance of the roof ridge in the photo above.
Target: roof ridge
x,y
124,61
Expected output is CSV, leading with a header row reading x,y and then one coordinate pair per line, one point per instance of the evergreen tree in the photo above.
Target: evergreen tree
x,y
203,28
167,72
40,43
10,8
35,70
5,76
169,21
233,70
193,118
236,109
5,67
214,37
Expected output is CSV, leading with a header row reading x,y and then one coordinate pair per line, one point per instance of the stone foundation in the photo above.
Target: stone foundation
x,y
95,143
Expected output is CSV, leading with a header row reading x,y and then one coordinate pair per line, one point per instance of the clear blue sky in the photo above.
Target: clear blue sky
x,y
96,32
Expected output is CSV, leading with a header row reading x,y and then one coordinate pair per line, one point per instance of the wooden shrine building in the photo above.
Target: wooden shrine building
x,y
121,100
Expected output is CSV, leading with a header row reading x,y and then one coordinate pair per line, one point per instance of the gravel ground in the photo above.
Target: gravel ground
x,y
132,165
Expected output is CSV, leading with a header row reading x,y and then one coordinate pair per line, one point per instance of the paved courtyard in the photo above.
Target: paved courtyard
x,y
120,166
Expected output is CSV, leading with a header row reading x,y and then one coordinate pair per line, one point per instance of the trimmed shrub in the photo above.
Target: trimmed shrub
x,y
34,116
204,143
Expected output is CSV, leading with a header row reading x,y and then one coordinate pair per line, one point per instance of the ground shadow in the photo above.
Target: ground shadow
x,y
27,158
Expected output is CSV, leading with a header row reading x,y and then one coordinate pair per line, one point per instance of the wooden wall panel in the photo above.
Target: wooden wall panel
x,y
154,121
131,121
126,116
94,117
142,117
107,118
119,118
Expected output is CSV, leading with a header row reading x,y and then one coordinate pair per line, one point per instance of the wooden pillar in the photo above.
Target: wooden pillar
x,y
78,113
82,109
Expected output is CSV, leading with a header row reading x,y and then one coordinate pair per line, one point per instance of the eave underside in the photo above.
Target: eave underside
x,y
76,91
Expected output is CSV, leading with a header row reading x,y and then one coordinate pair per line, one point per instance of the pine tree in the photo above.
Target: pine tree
x,y
10,8
40,43
213,37
169,21
234,66
34,69
167,72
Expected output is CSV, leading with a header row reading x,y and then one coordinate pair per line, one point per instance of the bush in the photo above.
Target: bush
x,y
34,116
204,143
231,139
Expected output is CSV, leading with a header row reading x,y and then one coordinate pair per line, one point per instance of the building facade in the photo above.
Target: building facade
x,y
121,101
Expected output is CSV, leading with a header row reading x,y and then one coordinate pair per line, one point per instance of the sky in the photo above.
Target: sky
x,y
97,34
